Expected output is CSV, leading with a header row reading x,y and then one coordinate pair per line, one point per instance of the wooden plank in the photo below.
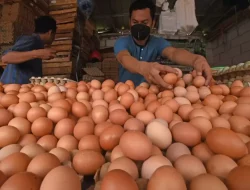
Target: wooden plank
x,y
64,31
68,35
57,71
62,2
63,11
57,60
65,20
51,65
62,48
60,7
68,26
65,16
63,54
62,42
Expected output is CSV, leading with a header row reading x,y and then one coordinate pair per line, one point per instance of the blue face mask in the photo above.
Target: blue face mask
x,y
140,31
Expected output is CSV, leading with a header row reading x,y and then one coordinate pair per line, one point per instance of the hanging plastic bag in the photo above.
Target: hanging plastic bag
x,y
167,21
159,3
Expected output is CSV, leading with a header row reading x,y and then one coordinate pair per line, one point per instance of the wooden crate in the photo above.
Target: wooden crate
x,y
63,68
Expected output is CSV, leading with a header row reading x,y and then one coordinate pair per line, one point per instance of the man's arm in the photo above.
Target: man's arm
x,y
181,56
15,57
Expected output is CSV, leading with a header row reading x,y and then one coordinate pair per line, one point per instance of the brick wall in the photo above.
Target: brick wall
x,y
232,47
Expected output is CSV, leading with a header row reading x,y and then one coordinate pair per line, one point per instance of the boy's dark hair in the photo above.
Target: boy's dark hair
x,y
44,24
143,4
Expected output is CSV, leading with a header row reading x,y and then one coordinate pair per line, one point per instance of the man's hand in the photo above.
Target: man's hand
x,y
46,54
202,67
152,73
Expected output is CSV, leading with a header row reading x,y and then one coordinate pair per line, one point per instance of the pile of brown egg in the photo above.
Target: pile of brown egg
x,y
131,138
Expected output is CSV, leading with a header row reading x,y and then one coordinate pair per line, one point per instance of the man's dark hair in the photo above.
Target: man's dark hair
x,y
143,4
44,24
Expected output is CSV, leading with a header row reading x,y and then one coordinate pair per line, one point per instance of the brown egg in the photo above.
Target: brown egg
x,y
110,95
245,161
198,112
42,164
152,106
142,91
242,110
193,97
134,124
97,95
64,127
99,128
152,164
79,109
186,133
202,124
122,89
180,83
27,139
87,162
226,116
211,111
110,137
187,79
27,97
48,142
145,116
68,142
118,117
220,166
42,126
136,107
220,122
243,137
238,178
159,134
240,124
46,107
227,107
127,100
245,92
32,150
10,87
164,112
176,150
125,164
135,94
212,101
71,93
62,154
184,111
66,179
204,92
173,104
56,114
216,89
89,142
235,90
225,141
170,78
62,104
14,163
134,150
22,124
21,109
35,113
82,88
86,118
8,150
243,100
8,135
116,107
182,101
39,96
166,177
118,179
199,81
5,117
202,152
211,182
116,153
8,100
230,98
110,83
189,167
56,96
100,114
22,180
82,129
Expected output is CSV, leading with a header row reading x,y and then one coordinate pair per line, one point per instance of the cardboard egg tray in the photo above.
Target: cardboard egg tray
x,y
44,80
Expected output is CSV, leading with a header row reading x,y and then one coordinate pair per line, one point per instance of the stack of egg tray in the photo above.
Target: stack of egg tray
x,y
44,80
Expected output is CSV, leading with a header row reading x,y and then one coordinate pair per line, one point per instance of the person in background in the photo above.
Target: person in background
x,y
137,52
24,59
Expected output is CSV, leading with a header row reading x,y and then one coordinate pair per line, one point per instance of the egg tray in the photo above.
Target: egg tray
x,y
44,80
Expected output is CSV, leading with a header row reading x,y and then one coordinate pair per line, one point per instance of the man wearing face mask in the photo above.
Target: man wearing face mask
x,y
137,52
24,59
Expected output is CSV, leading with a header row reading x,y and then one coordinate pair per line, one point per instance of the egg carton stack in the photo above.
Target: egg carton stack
x,y
227,75
44,80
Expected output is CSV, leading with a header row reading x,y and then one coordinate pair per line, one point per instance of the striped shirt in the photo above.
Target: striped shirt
x,y
21,73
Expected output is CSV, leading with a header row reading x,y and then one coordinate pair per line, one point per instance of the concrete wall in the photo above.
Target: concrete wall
x,y
232,47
